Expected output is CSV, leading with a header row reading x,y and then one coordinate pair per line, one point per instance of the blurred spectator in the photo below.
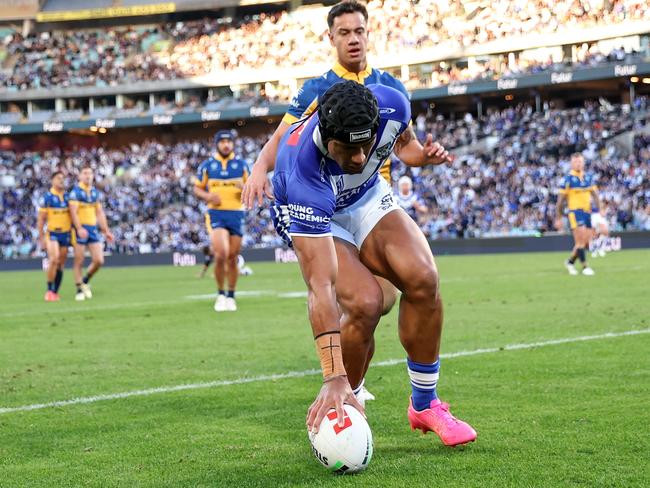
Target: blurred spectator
x,y
507,188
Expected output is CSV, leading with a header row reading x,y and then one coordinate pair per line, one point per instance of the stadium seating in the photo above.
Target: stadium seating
x,y
505,188
122,55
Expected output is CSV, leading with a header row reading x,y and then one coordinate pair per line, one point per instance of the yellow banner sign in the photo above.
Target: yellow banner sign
x,y
102,13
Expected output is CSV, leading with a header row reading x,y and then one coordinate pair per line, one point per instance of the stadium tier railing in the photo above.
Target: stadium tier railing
x,y
110,116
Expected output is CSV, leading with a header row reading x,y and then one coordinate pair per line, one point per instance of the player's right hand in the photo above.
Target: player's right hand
x,y
215,199
333,394
82,233
558,224
41,244
256,187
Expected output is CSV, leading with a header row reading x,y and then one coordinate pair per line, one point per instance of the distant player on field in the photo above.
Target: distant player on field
x,y
207,260
88,219
577,190
341,218
219,180
599,231
53,212
348,34
407,199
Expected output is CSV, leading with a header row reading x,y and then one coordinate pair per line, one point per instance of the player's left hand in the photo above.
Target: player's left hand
x,y
435,153
110,237
558,225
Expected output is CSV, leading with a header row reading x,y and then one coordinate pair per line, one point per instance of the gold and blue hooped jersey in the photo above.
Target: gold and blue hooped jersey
x,y
225,177
577,188
87,198
55,205
306,100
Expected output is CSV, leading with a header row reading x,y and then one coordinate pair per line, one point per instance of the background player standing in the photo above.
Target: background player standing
x,y
53,211
219,182
87,216
577,190
408,199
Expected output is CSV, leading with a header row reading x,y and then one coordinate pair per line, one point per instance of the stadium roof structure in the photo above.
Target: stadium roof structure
x,y
72,10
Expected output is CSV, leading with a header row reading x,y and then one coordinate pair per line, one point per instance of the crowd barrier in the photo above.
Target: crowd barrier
x,y
549,243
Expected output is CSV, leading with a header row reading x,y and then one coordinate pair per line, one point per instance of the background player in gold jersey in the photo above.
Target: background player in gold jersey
x,y
53,213
87,215
219,182
577,190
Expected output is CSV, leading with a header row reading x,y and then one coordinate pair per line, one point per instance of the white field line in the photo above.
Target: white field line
x,y
125,306
301,374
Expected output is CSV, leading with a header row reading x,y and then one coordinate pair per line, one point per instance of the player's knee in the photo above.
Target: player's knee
x,y
423,284
98,261
366,309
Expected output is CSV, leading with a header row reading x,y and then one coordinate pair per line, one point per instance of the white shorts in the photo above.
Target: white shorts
x,y
597,220
354,223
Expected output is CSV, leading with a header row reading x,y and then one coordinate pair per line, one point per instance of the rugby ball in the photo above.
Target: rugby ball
x,y
343,450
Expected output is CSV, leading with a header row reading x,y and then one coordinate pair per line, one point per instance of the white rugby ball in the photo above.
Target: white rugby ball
x,y
343,450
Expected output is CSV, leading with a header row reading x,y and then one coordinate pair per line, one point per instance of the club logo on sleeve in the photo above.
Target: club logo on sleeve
x,y
387,111
360,135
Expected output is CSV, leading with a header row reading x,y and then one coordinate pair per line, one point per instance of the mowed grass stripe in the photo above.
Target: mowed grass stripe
x,y
300,374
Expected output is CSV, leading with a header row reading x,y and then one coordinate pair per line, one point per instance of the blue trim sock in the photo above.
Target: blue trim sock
x,y
424,379
86,279
222,292
50,286
231,294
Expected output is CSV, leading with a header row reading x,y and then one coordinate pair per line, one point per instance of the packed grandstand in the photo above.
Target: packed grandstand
x,y
511,147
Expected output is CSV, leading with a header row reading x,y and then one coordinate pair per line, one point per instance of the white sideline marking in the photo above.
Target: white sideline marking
x,y
309,372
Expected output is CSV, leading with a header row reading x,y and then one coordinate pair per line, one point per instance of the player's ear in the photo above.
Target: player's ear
x,y
331,37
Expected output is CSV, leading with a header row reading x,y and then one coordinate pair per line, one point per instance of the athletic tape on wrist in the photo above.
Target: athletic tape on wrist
x,y
328,346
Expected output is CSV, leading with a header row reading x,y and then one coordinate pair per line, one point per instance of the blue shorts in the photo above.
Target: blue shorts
x,y
63,238
578,218
93,235
231,220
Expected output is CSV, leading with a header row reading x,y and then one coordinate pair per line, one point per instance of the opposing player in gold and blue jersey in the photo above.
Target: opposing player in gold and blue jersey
x,y
87,215
219,182
53,213
577,190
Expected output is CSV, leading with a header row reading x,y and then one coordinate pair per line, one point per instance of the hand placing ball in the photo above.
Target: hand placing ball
x,y
346,449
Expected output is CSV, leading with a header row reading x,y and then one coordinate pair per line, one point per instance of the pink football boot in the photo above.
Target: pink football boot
x,y
438,419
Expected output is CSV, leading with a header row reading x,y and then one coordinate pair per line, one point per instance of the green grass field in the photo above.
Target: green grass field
x,y
572,413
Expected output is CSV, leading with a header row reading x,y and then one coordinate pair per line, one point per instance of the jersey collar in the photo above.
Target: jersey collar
x,y
360,77
56,192
579,174
222,160
84,187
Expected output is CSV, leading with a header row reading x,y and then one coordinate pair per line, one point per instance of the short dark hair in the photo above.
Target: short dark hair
x,y
56,173
346,7
86,166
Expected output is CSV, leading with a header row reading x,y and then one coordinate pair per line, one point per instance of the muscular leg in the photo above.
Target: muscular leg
x,y
397,250
63,254
360,299
233,256
97,256
220,248
390,294
53,251
78,262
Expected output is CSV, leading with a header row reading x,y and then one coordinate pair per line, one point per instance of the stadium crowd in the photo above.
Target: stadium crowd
x,y
267,41
506,185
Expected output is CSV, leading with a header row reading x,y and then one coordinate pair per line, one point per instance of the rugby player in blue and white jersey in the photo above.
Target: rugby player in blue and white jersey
x,y
338,214
348,33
